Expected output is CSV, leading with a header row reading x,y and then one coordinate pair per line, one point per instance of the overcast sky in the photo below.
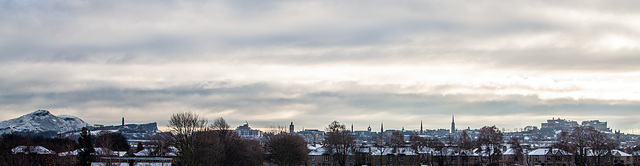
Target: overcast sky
x,y
504,63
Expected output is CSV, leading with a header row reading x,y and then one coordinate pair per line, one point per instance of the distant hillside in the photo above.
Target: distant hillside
x,y
42,122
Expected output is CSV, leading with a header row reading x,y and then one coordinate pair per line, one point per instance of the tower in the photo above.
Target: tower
x,y
381,128
352,127
421,130
291,128
453,124
123,121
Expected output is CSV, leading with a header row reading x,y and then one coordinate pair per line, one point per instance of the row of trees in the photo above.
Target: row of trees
x,y
584,140
202,143
84,145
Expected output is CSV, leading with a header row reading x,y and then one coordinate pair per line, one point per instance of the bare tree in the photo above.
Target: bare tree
x,y
440,148
255,152
185,126
287,149
464,143
221,126
339,142
517,150
600,143
160,144
417,144
490,143
113,140
584,139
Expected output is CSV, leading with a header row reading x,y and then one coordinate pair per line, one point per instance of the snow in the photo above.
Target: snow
x,y
620,153
544,151
98,151
147,152
389,150
31,150
42,121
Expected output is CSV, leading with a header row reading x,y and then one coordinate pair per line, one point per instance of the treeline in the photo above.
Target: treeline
x,y
10,141
86,142
201,143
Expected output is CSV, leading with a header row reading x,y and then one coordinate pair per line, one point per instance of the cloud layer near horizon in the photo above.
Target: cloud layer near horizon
x,y
504,63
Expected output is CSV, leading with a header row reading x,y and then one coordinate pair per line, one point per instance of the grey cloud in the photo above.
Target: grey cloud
x,y
265,100
248,29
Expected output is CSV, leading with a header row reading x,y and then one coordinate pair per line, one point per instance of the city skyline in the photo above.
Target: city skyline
x,y
503,63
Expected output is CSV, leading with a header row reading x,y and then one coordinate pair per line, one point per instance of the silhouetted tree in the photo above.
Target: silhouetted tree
x,y
161,143
287,149
440,148
139,147
396,141
114,141
585,140
86,149
339,142
417,144
255,152
517,150
199,144
185,126
464,143
490,143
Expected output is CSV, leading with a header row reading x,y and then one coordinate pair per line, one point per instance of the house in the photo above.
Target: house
x,y
550,156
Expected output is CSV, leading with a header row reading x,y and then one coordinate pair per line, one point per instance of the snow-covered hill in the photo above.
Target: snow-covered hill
x,y
42,121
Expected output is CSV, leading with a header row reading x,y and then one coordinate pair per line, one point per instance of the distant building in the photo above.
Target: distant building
x,y
245,131
421,129
453,124
559,124
530,128
596,124
312,135
549,156
291,128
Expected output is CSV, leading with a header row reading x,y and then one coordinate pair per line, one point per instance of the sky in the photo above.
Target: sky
x,y
504,63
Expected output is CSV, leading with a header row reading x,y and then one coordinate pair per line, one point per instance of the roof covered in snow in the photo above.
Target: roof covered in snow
x,y
545,151
31,150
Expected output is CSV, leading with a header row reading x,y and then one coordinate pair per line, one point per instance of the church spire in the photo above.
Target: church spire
x,y
453,124
421,130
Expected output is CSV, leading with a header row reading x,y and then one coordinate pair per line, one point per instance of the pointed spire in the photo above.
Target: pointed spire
x,y
453,124
421,130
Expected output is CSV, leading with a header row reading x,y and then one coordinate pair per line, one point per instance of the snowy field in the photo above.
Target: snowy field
x,y
127,164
